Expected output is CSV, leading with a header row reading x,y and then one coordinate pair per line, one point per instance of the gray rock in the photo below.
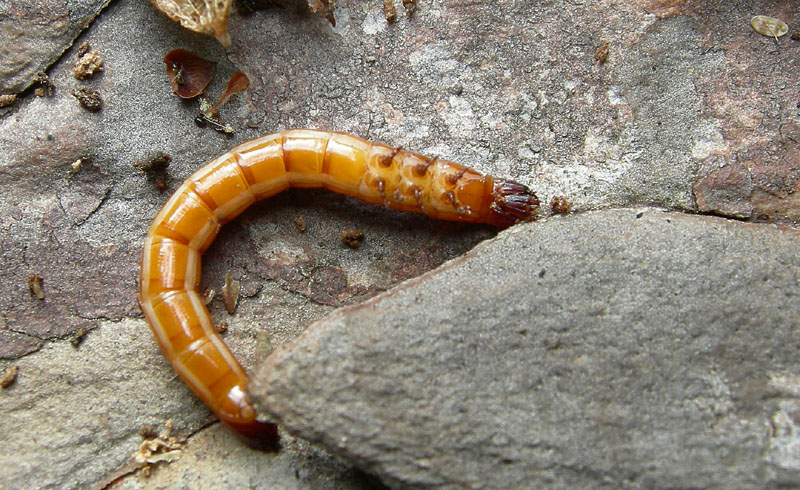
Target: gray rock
x,y
613,349
33,35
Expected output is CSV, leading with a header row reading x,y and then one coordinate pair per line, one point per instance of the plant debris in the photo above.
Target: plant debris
x,y
188,73
209,114
208,296
35,285
156,169
89,98
601,54
389,12
158,449
80,335
82,49
46,87
221,327
301,224
352,238
230,293
9,376
410,5
88,64
323,8
559,205
769,26
7,100
202,16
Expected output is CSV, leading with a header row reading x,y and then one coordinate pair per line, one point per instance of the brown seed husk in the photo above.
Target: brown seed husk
x,y
188,73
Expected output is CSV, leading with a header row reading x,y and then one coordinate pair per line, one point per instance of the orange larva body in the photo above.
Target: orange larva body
x,y
257,169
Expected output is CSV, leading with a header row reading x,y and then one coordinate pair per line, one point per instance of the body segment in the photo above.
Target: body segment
x,y
218,192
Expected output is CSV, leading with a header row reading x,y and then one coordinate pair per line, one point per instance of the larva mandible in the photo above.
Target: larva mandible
x,y
263,167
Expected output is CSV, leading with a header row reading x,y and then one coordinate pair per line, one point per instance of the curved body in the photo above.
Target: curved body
x,y
260,168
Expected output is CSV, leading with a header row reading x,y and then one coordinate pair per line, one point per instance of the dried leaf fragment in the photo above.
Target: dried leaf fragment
x,y
209,114
769,26
201,16
158,449
87,65
188,73
8,377
238,83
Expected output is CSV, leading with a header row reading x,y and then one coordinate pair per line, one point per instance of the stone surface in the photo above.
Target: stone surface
x,y
34,34
511,88
607,350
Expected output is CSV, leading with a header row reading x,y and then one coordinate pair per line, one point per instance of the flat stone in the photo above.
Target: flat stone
x,y
34,34
609,349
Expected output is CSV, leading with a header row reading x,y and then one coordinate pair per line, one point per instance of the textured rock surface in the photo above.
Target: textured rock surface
x,y
692,110
611,349
34,34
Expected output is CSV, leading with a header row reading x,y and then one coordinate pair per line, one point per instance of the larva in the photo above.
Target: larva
x,y
263,167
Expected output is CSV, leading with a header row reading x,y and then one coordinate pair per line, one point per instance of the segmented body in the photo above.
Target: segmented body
x,y
257,169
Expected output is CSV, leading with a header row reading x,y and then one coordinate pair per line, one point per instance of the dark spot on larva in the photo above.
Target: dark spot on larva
x,y
422,168
453,179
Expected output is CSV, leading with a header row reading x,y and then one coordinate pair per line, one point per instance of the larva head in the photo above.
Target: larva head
x,y
511,203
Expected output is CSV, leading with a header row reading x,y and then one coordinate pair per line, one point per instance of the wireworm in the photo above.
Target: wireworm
x,y
263,167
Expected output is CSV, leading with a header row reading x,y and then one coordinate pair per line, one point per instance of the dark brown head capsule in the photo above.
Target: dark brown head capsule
x,y
511,203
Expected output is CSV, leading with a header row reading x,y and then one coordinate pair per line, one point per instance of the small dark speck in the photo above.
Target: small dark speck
x,y
669,220
639,214
541,273
50,137
457,90
297,474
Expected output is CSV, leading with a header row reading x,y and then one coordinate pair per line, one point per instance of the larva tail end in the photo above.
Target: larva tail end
x,y
511,203
258,435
